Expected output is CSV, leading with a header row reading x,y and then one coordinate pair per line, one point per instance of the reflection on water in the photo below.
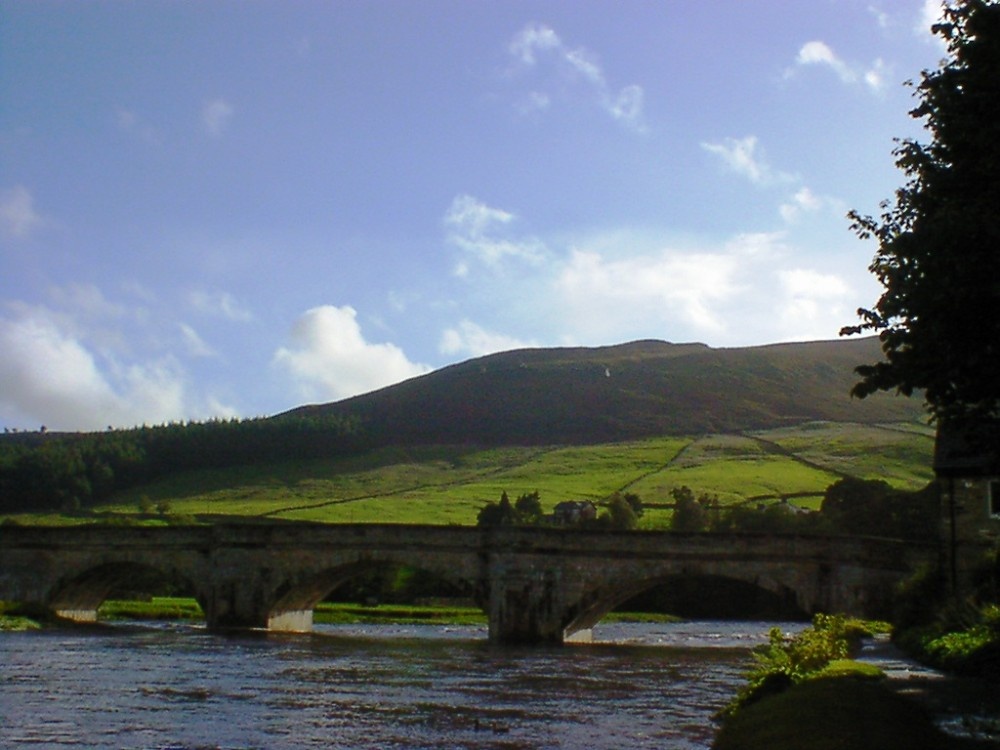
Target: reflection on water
x,y
174,686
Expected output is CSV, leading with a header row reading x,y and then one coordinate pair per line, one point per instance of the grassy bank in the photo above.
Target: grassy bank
x,y
154,608
806,692
834,713
331,613
963,639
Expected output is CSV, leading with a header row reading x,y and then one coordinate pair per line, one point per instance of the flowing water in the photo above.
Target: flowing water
x,y
178,686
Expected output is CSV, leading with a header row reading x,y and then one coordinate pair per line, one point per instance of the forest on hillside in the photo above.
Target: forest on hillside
x,y
40,471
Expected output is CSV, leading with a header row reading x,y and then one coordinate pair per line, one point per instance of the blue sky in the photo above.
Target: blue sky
x,y
234,208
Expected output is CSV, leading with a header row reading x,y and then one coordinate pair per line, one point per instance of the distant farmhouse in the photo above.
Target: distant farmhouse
x,y
573,512
967,467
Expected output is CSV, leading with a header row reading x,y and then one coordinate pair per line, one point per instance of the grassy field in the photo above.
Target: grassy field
x,y
448,485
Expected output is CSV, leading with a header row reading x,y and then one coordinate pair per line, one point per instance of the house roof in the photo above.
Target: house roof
x,y
967,450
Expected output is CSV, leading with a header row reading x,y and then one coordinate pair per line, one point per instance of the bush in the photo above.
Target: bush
x,y
784,662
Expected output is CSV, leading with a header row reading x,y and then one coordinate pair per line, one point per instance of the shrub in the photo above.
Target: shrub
x,y
784,662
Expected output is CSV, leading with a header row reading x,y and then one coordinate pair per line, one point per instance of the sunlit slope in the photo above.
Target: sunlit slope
x,y
642,389
450,484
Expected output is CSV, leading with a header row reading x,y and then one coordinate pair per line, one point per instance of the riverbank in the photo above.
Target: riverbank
x,y
892,702
169,608
833,713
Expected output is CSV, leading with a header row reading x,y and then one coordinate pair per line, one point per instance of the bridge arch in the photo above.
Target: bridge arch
x,y
294,600
798,587
78,597
605,597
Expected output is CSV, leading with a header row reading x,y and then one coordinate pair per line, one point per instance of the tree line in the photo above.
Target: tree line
x,y
621,511
850,506
40,472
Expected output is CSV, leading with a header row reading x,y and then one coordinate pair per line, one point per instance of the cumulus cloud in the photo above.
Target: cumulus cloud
x,y
330,359
819,53
745,157
482,232
472,340
603,293
810,300
537,44
49,375
215,116
18,217
219,304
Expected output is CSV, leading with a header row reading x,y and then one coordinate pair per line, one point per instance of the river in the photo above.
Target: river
x,y
179,687
161,686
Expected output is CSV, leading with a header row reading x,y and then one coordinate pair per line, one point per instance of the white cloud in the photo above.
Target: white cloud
x,y
604,294
220,304
48,375
86,301
745,157
533,38
803,201
811,303
480,230
472,340
329,358
931,12
627,106
215,116
18,217
536,43
819,53
194,343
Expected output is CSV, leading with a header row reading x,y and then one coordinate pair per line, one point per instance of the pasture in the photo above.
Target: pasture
x,y
449,484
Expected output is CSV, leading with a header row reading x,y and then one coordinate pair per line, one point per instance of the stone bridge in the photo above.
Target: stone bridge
x,y
535,584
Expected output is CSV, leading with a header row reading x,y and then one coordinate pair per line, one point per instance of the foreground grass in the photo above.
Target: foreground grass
x,y
834,713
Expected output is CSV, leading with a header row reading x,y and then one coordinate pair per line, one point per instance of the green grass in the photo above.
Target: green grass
x,y
449,485
397,614
832,714
900,454
156,608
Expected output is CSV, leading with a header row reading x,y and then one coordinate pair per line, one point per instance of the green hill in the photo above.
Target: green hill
x,y
641,389
750,424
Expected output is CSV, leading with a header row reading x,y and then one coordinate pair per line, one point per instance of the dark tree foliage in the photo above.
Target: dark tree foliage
x,y
938,252
73,471
529,508
871,507
498,514
525,511
620,514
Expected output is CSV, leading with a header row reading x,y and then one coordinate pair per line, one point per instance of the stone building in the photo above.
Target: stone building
x,y
573,512
967,467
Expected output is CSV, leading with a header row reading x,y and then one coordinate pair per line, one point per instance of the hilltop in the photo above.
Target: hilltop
x,y
634,390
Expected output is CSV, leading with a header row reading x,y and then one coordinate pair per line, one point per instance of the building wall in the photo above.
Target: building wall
x,y
970,519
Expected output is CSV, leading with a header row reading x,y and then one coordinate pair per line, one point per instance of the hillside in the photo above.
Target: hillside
x,y
530,398
635,390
